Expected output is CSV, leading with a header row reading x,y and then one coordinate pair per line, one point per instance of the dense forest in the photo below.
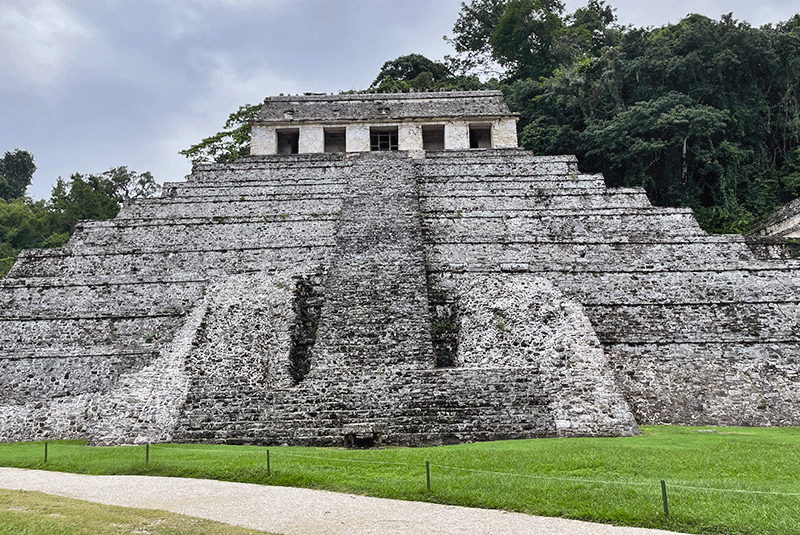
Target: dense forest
x,y
702,113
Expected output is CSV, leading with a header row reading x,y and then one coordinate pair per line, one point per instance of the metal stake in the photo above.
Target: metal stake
x,y
428,473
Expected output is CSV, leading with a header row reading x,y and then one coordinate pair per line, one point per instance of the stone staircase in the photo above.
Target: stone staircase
x,y
376,300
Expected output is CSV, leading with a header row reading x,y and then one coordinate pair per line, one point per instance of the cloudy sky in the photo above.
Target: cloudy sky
x,y
89,85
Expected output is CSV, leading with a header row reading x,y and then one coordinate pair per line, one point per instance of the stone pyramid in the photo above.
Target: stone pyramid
x,y
403,297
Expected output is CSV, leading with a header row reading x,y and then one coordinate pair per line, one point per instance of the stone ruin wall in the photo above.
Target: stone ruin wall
x,y
560,307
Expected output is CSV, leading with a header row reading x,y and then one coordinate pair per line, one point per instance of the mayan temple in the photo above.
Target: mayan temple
x,y
393,269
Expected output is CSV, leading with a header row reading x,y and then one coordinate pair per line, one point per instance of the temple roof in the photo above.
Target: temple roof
x,y
382,106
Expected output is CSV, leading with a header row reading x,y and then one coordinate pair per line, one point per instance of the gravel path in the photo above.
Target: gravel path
x,y
292,511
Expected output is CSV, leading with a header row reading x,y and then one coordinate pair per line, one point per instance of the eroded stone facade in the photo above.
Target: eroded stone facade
x,y
405,297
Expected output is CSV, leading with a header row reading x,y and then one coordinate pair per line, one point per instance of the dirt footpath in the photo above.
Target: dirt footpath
x,y
292,511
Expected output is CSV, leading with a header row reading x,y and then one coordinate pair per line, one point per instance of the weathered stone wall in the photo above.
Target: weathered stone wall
x,y
782,223
409,135
280,299
356,114
659,292
525,322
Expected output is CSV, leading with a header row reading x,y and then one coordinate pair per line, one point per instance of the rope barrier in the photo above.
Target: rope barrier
x,y
736,491
455,468
366,461
555,478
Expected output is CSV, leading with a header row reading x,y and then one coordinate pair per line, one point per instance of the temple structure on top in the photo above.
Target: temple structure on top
x,y
393,269
384,122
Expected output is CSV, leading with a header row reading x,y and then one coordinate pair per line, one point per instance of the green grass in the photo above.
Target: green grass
x,y
730,480
34,513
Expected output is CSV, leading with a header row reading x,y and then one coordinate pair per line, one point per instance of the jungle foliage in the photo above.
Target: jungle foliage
x,y
232,142
702,113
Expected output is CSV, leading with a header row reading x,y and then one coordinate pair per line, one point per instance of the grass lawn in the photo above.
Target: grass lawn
x,y
34,513
719,480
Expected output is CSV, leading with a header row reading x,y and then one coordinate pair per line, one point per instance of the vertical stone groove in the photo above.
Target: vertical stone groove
x,y
307,305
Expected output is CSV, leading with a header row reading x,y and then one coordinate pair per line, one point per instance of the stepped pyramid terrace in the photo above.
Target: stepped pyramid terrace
x,y
392,269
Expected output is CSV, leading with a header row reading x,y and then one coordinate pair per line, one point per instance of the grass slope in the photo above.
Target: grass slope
x,y
34,513
719,480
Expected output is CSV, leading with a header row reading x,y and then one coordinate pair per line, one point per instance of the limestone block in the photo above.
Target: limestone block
x,y
358,138
456,135
312,139
263,140
504,134
409,137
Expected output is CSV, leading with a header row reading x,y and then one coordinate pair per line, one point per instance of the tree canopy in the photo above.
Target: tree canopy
x,y
701,113
415,72
232,142
16,173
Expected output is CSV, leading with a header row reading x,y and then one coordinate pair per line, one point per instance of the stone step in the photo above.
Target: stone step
x,y
376,298
160,220
115,279
529,184
278,175
535,212
179,236
435,403
455,158
218,260
329,160
100,351
696,322
608,288
486,166
202,209
46,373
601,198
684,285
33,300
593,256
244,168
499,153
564,225
73,332
288,186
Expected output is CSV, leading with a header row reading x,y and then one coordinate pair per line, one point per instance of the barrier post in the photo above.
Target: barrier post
x,y
664,498
428,474
45,452
269,472
147,454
